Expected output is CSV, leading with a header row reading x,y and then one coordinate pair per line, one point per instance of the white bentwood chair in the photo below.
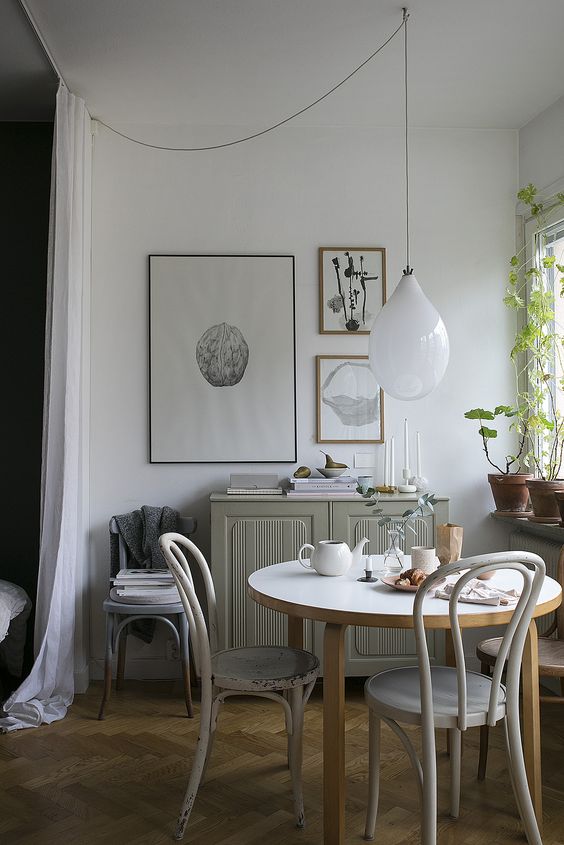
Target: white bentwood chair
x,y
286,675
455,698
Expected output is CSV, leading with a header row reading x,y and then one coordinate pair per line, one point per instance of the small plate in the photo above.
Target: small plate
x,y
390,581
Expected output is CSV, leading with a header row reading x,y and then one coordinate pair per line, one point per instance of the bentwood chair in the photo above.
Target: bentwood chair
x,y
119,615
551,664
455,698
286,675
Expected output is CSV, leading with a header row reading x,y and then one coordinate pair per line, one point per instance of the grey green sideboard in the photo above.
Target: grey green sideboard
x,y
249,532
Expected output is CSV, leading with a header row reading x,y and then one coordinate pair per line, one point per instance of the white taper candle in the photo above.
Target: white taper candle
x,y
392,462
418,455
405,444
386,463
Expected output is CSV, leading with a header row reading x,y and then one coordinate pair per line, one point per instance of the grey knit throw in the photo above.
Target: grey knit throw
x,y
141,530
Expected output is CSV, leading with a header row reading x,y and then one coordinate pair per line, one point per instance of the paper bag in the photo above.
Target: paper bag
x,y
449,542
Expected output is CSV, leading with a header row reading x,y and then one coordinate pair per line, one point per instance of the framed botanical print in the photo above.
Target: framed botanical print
x,y
352,288
350,402
222,358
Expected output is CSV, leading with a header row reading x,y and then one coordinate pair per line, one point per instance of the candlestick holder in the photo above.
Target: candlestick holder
x,y
407,486
368,576
421,483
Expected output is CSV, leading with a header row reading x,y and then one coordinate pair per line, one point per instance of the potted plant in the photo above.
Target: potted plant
x,y
508,484
538,355
396,527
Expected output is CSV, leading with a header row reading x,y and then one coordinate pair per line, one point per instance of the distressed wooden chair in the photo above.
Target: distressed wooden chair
x,y
455,698
551,664
286,675
119,615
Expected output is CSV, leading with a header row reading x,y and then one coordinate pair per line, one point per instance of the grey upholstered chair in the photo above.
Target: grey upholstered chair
x,y
119,615
286,675
455,698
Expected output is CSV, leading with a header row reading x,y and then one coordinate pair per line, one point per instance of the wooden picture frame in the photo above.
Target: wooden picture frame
x,y
350,402
352,288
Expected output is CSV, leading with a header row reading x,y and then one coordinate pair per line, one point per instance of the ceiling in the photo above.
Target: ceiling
x,y
473,63
28,84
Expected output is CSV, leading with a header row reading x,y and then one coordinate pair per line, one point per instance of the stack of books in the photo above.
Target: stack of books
x,y
149,586
254,485
302,488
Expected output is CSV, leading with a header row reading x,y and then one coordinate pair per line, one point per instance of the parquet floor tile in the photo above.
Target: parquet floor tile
x,y
121,781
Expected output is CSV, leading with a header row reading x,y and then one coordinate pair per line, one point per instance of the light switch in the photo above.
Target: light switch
x,y
364,460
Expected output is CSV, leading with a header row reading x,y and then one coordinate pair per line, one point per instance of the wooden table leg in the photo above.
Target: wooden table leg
x,y
531,719
295,632
334,735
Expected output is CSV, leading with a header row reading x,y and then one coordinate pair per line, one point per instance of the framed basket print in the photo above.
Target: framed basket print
x,y
352,288
350,402
222,358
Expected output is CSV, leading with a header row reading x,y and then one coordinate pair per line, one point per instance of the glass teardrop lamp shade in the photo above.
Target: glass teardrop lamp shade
x,y
408,346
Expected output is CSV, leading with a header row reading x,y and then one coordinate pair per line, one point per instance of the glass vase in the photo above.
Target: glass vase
x,y
393,556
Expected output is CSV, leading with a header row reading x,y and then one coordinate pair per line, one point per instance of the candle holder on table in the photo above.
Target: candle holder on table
x,y
368,571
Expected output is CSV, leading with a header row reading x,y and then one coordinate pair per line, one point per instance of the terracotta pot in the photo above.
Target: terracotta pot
x,y
559,496
510,491
543,497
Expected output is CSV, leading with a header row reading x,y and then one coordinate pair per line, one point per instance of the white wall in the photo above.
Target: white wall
x,y
293,191
541,154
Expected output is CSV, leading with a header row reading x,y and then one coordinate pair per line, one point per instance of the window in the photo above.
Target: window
x,y
551,243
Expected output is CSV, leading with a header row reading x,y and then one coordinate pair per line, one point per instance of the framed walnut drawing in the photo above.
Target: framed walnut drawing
x,y
222,358
350,402
352,288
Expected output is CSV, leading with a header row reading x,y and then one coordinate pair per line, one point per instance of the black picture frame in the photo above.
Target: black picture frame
x,y
210,389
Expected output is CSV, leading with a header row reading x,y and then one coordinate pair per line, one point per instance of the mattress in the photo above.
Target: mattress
x,y
15,607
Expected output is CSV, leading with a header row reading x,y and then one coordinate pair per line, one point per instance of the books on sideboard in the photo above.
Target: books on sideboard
x,y
254,484
344,485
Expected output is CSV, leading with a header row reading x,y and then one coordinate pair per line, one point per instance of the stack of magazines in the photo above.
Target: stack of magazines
x,y
302,488
144,586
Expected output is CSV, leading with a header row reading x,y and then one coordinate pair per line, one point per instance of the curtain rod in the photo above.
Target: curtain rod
x,y
42,42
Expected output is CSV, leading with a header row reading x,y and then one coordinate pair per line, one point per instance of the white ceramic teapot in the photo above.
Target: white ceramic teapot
x,y
332,557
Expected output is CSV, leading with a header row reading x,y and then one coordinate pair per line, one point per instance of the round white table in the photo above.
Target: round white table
x,y
343,601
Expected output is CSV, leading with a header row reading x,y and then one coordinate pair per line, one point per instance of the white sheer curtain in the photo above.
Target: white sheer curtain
x,y
48,690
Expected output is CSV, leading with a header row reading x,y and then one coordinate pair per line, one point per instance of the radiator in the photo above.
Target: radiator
x,y
549,550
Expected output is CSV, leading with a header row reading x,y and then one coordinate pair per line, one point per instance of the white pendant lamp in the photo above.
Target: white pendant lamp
x,y
408,345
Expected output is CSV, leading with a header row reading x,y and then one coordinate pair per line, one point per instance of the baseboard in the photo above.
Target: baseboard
x,y
141,668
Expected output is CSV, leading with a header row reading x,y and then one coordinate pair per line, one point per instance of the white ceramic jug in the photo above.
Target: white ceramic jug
x,y
331,557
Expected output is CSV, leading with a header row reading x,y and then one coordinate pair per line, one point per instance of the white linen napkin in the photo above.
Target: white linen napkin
x,y
479,592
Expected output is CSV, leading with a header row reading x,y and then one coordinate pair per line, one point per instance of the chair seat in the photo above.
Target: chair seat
x,y
263,668
395,694
111,606
551,655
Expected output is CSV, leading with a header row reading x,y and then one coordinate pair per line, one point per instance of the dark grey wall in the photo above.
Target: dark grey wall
x,y
25,167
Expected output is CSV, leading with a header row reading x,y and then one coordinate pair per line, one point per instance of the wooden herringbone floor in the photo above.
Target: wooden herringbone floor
x,y
84,782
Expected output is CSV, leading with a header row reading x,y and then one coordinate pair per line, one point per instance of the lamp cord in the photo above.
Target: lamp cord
x,y
408,269
280,122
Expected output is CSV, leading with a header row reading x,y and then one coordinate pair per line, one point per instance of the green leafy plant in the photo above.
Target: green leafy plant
x,y
487,433
424,507
537,352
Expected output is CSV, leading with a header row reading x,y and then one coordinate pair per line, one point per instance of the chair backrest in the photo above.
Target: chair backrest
x,y
560,609
532,569
203,636
186,525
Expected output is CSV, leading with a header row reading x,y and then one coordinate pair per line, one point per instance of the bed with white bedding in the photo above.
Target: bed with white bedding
x,y
15,607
